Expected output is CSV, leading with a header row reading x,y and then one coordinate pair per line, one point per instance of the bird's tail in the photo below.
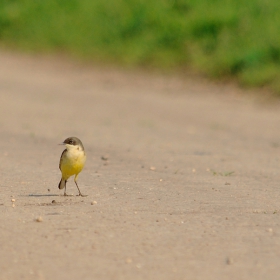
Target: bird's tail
x,y
62,184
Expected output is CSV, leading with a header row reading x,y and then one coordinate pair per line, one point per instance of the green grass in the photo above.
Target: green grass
x,y
226,173
220,38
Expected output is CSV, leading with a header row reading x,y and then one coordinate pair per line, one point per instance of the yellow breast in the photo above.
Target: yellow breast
x,y
72,163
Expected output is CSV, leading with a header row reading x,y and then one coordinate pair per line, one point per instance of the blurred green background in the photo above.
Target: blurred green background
x,y
220,38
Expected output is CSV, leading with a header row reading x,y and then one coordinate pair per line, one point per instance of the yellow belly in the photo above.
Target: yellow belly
x,y
72,165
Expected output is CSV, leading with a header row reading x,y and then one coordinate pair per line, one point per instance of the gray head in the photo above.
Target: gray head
x,y
73,141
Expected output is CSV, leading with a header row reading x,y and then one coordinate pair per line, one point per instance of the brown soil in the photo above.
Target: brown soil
x,y
182,176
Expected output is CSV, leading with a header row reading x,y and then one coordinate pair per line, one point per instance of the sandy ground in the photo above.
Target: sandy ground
x,y
182,176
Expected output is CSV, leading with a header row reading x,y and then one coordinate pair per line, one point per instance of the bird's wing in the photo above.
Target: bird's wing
x,y
61,158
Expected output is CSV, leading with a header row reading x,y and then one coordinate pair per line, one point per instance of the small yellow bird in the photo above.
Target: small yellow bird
x,y
72,161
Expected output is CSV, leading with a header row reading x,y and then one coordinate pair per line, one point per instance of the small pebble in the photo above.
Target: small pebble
x,y
152,168
53,201
39,219
105,158
13,200
229,261
93,202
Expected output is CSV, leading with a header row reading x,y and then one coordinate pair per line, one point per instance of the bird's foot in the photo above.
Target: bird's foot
x,y
82,195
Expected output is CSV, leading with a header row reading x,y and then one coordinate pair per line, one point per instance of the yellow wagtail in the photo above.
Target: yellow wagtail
x,y
72,161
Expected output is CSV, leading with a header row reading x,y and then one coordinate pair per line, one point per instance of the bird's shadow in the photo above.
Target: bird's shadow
x,y
41,195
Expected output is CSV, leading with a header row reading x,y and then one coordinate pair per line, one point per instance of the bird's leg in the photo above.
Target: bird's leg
x,y
65,194
80,194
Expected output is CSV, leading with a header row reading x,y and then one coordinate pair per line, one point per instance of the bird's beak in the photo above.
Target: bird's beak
x,y
61,144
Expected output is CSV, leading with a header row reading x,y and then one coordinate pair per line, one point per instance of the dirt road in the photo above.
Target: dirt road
x,y
182,177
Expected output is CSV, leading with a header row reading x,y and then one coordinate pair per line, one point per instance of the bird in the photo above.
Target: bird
x,y
71,162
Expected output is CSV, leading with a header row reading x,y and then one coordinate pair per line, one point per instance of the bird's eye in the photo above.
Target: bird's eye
x,y
70,142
